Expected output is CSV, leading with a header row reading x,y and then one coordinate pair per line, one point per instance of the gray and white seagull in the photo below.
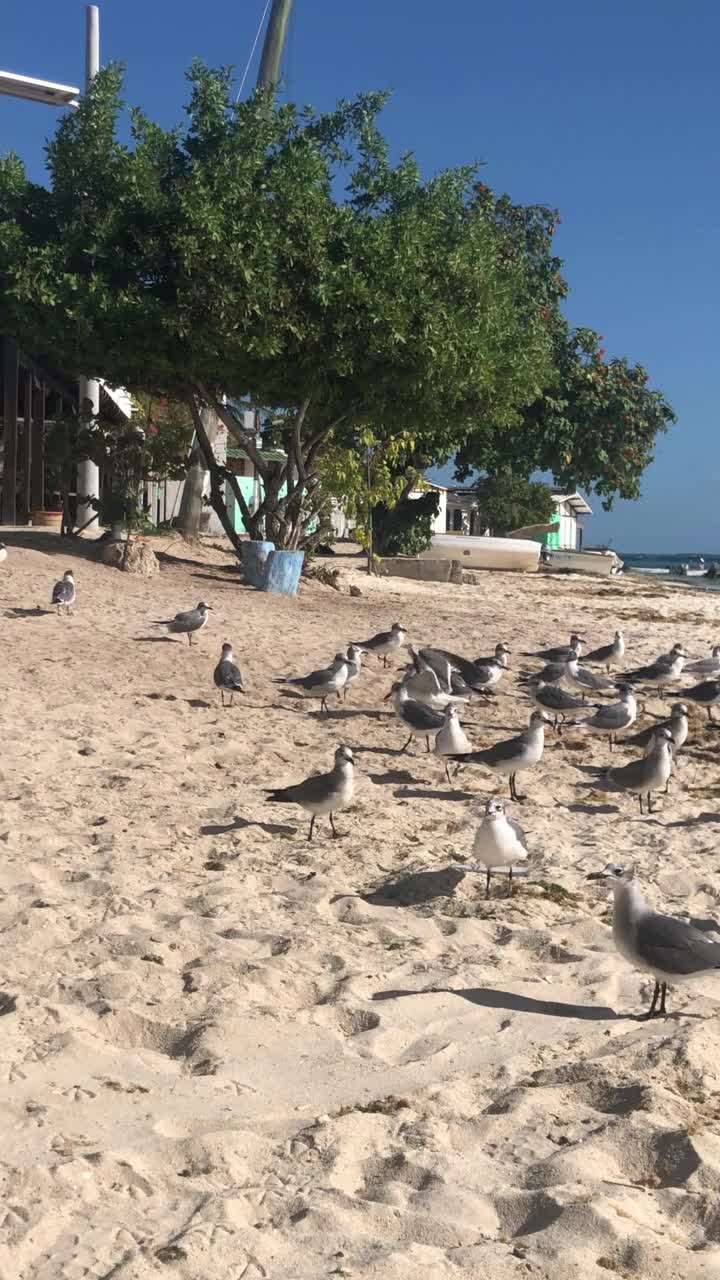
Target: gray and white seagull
x,y
321,683
323,793
227,675
610,655
669,948
611,719
650,773
513,755
421,720
186,624
499,842
706,694
63,593
385,642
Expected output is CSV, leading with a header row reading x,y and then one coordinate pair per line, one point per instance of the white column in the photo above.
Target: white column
x,y
88,473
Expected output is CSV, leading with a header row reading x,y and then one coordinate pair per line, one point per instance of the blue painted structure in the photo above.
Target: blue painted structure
x,y
282,572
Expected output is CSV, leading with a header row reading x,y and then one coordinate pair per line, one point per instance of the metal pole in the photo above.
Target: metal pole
x,y
269,73
92,44
88,473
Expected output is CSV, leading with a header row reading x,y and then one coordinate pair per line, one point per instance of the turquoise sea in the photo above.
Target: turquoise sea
x,y
637,562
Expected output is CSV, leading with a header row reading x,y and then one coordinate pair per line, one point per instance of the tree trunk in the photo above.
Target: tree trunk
x,y
191,503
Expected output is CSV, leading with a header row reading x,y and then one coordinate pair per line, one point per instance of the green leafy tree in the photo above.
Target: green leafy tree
x,y
215,260
594,426
508,501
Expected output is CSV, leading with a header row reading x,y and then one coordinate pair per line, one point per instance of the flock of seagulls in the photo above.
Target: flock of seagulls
x,y
434,684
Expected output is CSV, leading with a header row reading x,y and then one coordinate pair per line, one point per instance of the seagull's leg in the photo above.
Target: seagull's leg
x,y
649,802
641,803
663,993
487,884
324,705
332,824
510,883
222,697
709,711
512,786
651,1011
312,824
447,774
190,637
427,741
407,744
385,660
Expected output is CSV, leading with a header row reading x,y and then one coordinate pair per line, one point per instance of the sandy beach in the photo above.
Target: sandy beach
x,y
228,1054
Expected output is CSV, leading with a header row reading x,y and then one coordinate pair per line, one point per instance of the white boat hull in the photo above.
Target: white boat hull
x,y
603,564
517,554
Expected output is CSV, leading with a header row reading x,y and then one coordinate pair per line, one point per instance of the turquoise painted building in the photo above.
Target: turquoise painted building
x,y
249,483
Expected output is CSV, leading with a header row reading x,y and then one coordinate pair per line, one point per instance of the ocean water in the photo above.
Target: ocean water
x,y
638,562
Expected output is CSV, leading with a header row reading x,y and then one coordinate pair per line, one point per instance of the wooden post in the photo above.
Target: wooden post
x,y
26,451
37,449
10,431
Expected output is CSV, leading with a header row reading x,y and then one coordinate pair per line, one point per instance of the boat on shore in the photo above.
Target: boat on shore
x,y
603,563
515,554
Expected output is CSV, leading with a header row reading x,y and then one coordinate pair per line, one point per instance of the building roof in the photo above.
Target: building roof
x,y
267,455
575,501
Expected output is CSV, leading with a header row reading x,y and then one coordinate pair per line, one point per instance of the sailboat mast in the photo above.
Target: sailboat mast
x,y
275,36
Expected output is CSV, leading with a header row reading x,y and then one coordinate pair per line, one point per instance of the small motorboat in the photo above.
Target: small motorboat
x,y
484,553
603,564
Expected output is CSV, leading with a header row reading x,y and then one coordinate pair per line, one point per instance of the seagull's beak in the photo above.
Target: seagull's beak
x,y
596,875
388,696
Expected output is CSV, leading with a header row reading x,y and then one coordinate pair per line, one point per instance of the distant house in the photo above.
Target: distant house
x,y
458,509
568,508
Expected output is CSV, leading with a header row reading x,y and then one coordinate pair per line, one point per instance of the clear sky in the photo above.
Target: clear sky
x,y
608,112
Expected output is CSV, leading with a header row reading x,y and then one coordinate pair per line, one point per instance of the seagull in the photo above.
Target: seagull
x,y
677,724
665,946
704,666
480,676
650,773
187,623
563,653
420,719
451,738
63,593
437,665
227,675
499,842
513,755
552,673
608,654
558,701
3,552
706,694
584,679
354,665
423,685
321,683
614,716
385,642
323,792
501,655
666,669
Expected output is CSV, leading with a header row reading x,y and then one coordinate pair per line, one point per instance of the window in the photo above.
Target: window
x,y
457,520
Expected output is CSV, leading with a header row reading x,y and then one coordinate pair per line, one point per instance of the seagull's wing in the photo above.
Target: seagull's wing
x,y
420,717
519,833
673,946
599,655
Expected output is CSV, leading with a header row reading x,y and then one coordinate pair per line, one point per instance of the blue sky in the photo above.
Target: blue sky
x,y
608,112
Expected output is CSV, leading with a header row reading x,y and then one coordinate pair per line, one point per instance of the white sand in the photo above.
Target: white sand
x,y
235,1055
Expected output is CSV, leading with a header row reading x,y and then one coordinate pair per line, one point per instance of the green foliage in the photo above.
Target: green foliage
x,y
509,501
215,258
405,529
594,426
